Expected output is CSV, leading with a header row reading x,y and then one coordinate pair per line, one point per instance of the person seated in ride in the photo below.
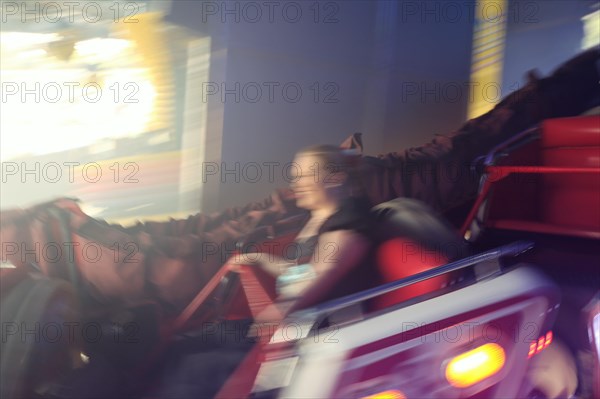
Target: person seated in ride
x,y
333,245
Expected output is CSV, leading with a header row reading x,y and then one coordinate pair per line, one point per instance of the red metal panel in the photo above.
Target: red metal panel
x,y
564,196
580,131
572,199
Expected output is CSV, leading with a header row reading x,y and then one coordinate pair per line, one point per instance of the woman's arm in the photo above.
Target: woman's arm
x,y
337,254
272,264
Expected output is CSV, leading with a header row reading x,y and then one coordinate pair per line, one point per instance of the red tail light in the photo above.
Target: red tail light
x,y
541,344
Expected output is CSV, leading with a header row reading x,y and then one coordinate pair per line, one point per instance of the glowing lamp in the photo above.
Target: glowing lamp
x,y
392,394
548,339
475,365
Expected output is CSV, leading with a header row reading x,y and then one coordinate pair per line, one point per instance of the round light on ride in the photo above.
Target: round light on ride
x,y
391,394
475,365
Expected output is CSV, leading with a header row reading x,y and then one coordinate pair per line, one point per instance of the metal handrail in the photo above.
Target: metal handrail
x,y
512,143
512,249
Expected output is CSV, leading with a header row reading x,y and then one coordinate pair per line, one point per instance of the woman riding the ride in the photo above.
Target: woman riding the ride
x,y
334,243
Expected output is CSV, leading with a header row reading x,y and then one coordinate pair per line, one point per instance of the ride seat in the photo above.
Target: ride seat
x,y
412,240
571,199
558,190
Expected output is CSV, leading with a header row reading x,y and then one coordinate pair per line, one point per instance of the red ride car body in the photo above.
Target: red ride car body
x,y
557,206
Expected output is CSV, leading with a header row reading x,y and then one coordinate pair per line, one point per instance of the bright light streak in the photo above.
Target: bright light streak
x,y
21,40
475,365
391,394
102,48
